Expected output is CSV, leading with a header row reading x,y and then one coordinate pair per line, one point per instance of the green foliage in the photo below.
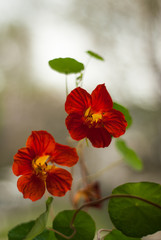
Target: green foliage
x,y
94,55
46,235
66,65
84,224
40,222
117,235
129,156
133,217
29,230
19,232
125,112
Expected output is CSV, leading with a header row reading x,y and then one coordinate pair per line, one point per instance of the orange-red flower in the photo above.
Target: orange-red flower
x,y
93,117
36,164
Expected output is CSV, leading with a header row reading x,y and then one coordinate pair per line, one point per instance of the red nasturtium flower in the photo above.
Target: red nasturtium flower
x,y
93,117
36,164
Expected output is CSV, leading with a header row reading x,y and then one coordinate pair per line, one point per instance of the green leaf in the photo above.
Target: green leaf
x,y
117,235
129,156
66,65
133,217
46,235
40,222
125,112
84,224
20,231
95,55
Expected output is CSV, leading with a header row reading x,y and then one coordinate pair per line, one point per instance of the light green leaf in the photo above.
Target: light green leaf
x,y
133,217
125,112
46,235
84,224
40,222
129,156
117,235
66,65
94,55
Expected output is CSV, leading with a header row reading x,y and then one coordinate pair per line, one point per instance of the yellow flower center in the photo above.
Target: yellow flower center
x,y
40,165
92,118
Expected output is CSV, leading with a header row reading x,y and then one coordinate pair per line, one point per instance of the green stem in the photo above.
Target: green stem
x,y
66,85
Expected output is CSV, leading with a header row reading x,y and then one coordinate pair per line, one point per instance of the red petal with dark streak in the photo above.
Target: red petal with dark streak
x,y
31,186
76,127
41,142
58,182
101,99
64,155
77,101
115,123
99,137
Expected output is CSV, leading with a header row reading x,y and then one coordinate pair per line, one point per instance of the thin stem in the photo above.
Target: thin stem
x,y
100,231
105,169
109,197
66,85
84,171
61,234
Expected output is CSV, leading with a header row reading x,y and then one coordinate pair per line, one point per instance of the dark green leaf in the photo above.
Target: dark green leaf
x,y
84,224
133,217
46,235
40,222
117,235
19,232
129,156
66,65
95,55
125,112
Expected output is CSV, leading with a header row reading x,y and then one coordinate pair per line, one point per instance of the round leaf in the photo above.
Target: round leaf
x,y
84,224
125,111
129,156
133,217
117,235
66,65
95,55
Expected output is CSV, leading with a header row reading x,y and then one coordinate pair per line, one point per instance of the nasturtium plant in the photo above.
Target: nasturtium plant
x,y
134,208
66,65
83,223
136,217
95,55
129,156
125,112
117,235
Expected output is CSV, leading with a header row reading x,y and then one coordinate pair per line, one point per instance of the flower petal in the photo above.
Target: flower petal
x,y
115,123
23,161
64,155
31,186
58,182
101,99
41,142
99,137
77,101
76,127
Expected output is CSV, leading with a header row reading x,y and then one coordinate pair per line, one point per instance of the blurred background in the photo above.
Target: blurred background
x,y
127,35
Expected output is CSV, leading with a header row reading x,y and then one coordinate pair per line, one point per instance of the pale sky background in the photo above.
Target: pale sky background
x,y
53,34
